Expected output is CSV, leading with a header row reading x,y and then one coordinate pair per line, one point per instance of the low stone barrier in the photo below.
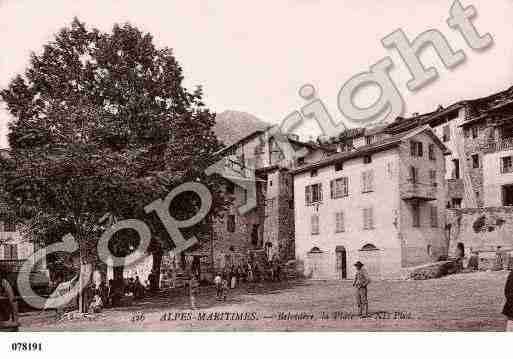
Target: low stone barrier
x,y
434,270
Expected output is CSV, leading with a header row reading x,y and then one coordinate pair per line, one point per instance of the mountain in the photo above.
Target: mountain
x,y
232,126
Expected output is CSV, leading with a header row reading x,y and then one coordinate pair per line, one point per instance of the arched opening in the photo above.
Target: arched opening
x,y
369,247
315,250
460,250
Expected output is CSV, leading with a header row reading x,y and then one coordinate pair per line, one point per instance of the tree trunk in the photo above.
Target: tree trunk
x,y
118,285
85,281
157,262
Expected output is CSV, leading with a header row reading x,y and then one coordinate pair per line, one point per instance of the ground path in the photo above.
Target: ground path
x,y
470,302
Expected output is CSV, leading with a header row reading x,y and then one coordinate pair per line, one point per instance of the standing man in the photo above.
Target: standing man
x,y
361,281
8,307
508,307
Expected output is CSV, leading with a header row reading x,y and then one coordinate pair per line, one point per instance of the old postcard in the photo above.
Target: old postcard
x,y
295,165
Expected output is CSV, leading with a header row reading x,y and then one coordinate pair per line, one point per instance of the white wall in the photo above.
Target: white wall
x,y
493,179
384,199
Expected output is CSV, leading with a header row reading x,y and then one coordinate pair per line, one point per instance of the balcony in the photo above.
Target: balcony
x,y
11,265
418,191
500,145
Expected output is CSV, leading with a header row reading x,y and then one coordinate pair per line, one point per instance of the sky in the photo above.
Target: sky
x,y
253,56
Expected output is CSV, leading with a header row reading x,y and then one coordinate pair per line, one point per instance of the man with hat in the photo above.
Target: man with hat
x,y
361,281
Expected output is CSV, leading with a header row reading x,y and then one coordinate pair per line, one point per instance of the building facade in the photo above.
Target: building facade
x,y
267,230
382,203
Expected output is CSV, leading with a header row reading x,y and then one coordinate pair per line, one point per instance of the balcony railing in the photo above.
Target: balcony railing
x,y
418,191
11,265
500,145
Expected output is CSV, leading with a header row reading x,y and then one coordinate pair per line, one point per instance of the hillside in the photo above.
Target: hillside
x,y
231,126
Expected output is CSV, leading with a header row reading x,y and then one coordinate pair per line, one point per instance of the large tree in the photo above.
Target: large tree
x,y
103,124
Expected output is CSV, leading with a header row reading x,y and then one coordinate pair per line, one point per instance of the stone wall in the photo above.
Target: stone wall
x,y
480,229
475,146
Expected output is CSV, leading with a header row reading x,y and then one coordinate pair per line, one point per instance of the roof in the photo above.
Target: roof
x,y
385,144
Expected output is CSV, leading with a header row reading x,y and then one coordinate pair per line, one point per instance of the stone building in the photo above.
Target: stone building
x,y
479,134
382,202
267,230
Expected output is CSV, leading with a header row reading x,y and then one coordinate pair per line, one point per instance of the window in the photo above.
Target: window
x,y
456,202
446,133
367,159
369,247
415,211
230,225
313,193
313,173
301,161
339,222
456,169
431,151
475,161
434,216
11,251
432,177
369,140
414,174
269,206
244,198
416,149
9,224
230,188
367,181
368,218
339,187
339,166
314,221
506,164
475,131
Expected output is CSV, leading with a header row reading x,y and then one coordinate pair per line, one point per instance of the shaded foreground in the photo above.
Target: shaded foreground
x,y
462,302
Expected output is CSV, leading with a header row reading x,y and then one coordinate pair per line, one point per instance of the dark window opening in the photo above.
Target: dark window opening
x,y
446,133
230,188
230,225
367,159
339,166
507,195
456,169
475,131
506,164
475,161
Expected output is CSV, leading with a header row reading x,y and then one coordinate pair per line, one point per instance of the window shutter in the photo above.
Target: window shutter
x,y
345,188
332,184
308,195
412,148
320,192
371,218
421,152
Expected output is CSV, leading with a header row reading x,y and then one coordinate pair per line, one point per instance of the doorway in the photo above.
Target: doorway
x,y
507,195
341,257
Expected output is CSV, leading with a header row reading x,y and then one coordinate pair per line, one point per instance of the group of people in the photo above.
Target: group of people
x,y
109,295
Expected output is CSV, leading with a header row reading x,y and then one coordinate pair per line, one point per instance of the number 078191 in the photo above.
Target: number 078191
x,y
26,347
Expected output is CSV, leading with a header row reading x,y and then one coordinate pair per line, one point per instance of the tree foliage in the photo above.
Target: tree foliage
x,y
103,124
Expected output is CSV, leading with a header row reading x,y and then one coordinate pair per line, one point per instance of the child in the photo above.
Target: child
x,y
96,305
193,290
218,284
224,285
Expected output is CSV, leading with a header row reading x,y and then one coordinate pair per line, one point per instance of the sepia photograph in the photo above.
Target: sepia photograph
x,y
235,166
